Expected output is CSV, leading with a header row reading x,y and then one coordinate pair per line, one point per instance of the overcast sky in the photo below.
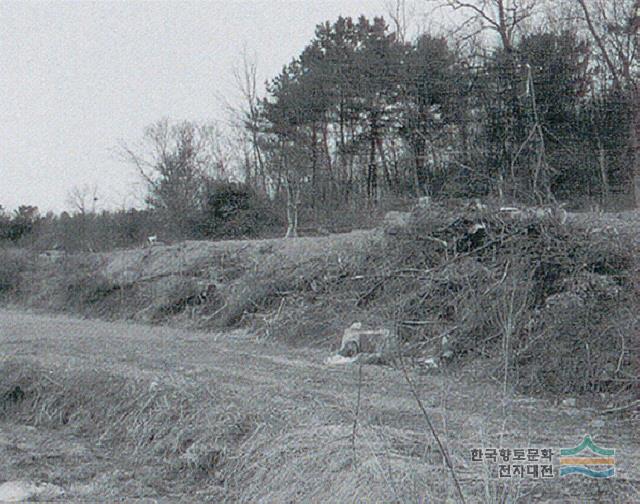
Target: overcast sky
x,y
78,77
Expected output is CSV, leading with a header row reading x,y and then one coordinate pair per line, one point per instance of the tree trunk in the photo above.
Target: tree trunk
x,y
463,120
341,160
258,159
385,166
416,175
330,185
314,164
420,154
372,170
604,176
372,167
634,144
293,198
395,176
634,23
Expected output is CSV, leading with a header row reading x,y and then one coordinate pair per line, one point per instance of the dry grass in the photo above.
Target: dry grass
x,y
243,448
502,294
184,412
256,453
14,263
186,431
318,465
554,305
241,422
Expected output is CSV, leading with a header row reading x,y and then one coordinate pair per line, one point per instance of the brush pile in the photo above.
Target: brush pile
x,y
554,305
551,306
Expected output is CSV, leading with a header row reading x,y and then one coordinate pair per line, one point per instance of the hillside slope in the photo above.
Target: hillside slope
x,y
553,304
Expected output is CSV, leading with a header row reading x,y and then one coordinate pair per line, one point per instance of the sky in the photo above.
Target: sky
x,y
78,78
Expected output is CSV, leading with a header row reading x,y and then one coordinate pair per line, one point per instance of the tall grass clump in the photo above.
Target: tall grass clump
x,y
14,262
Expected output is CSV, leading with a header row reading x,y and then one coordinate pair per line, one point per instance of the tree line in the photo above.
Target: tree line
x,y
551,111
526,101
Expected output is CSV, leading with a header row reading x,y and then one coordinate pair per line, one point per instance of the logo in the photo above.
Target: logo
x,y
588,459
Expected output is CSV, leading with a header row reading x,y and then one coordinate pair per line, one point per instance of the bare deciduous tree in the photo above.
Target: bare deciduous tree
x,y
614,27
176,162
246,122
504,17
83,199
507,19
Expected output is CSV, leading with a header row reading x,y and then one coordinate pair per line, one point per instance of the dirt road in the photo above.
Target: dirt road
x,y
287,389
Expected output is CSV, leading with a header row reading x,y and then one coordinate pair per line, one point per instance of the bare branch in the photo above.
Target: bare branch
x,y
599,41
458,5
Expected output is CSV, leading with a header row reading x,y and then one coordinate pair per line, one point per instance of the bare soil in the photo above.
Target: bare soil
x,y
289,390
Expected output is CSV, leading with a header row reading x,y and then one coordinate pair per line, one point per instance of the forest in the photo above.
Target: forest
x,y
523,102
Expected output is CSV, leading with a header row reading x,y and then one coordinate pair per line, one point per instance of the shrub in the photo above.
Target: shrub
x,y
13,262
234,210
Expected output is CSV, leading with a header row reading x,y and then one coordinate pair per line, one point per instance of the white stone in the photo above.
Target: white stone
x,y
424,202
399,219
23,490
337,360
431,363
357,340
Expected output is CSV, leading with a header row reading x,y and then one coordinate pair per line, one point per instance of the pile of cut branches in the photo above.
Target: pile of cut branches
x,y
551,306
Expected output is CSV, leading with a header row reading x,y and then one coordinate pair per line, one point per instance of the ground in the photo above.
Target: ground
x,y
294,420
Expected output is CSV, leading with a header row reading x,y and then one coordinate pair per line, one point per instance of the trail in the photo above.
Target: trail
x,y
467,410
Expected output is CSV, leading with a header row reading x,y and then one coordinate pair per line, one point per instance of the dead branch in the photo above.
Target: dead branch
x,y
441,446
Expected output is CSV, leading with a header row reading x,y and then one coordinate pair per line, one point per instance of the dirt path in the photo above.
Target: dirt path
x,y
470,413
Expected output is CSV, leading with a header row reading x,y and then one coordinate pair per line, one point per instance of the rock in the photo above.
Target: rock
x,y
424,202
370,358
337,360
356,340
365,346
570,402
428,363
394,221
23,490
360,358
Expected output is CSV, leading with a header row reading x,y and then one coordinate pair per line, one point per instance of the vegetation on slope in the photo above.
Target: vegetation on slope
x,y
552,306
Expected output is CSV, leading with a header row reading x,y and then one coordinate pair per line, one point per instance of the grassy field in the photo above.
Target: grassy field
x,y
114,410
